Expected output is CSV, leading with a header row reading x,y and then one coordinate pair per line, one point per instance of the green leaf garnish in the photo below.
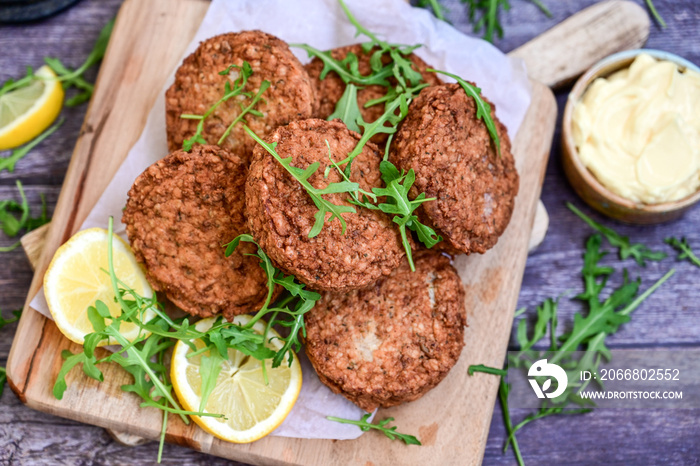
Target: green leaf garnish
x,y
12,224
8,163
483,109
348,109
390,432
639,252
588,333
74,78
684,249
245,71
302,176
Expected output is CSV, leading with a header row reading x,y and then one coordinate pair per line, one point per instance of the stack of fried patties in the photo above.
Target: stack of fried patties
x,y
381,334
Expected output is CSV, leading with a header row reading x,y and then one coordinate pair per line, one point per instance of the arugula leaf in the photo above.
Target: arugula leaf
x,y
8,163
348,109
302,176
11,84
639,252
245,110
75,78
244,71
488,20
483,109
684,248
12,225
349,74
390,432
398,184
209,370
292,307
17,314
589,331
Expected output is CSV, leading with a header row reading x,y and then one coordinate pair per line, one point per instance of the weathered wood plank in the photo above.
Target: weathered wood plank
x,y
628,437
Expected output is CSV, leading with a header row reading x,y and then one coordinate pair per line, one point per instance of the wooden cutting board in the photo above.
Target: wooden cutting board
x,y
452,420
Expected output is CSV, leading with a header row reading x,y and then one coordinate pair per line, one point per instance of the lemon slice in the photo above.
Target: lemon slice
x,y
74,281
26,112
252,408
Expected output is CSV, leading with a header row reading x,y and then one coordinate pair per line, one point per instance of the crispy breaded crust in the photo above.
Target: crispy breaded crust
x,y
281,213
331,88
181,212
198,86
393,342
456,162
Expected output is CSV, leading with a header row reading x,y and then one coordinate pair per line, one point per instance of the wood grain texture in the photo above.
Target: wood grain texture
x,y
494,279
571,47
669,317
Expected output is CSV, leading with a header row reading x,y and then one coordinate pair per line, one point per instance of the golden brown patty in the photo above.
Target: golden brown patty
x,y
456,162
198,85
180,213
281,213
331,88
393,342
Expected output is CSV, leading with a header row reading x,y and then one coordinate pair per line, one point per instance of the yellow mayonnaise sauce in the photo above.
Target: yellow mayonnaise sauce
x,y
638,131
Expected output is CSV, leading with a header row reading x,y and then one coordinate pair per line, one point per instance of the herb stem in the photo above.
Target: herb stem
x,y
118,336
486,370
656,14
263,87
572,343
503,390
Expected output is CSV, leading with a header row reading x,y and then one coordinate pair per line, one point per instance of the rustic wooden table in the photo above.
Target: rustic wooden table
x,y
667,319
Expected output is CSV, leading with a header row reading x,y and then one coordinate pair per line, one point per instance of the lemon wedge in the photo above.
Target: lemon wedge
x,y
74,281
26,112
252,408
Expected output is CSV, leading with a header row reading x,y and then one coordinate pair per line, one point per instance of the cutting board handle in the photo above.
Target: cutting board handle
x,y
568,49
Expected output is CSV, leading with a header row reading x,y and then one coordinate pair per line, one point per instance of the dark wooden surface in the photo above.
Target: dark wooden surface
x,y
669,318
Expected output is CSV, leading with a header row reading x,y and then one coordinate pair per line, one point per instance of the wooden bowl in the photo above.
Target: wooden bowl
x,y
585,183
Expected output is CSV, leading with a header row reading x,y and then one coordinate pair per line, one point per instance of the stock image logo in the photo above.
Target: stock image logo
x,y
542,368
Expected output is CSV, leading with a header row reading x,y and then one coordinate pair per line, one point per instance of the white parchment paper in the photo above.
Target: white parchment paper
x,y
322,24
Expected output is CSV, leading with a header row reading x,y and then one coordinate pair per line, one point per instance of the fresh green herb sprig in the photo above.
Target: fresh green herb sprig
x,y
8,163
292,305
390,432
347,109
483,14
145,357
74,78
302,176
397,203
639,252
12,225
245,71
685,252
438,10
588,332
68,78
483,109
369,130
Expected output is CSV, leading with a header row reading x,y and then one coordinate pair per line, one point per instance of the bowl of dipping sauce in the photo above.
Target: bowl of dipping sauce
x,y
631,136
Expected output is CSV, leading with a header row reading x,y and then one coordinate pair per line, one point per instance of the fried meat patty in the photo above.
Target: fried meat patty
x,y
331,88
198,85
455,161
393,342
180,213
281,213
